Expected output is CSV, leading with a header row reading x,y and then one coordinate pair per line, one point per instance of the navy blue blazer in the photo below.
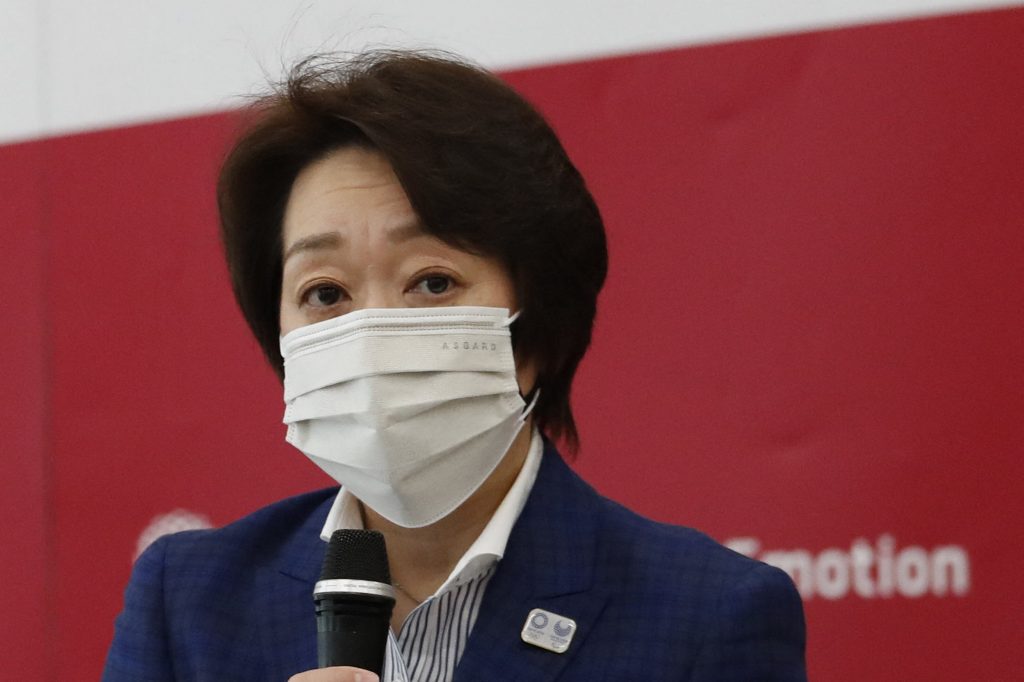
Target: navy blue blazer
x,y
651,601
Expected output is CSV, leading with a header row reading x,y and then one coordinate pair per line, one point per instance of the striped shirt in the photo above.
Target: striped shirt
x,y
434,635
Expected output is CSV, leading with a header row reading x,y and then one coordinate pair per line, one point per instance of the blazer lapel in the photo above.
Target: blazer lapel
x,y
286,620
548,564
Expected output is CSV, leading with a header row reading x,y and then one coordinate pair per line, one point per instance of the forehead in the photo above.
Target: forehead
x,y
351,188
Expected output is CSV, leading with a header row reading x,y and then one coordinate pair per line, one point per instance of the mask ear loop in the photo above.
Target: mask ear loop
x,y
536,389
529,408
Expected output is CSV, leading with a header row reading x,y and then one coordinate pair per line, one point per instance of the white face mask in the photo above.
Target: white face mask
x,y
411,409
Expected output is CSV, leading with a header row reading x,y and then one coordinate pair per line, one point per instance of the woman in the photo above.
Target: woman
x,y
420,262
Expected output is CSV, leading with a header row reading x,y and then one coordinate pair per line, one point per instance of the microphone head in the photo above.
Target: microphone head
x,y
356,555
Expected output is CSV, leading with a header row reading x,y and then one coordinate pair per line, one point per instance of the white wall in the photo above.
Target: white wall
x,y
71,65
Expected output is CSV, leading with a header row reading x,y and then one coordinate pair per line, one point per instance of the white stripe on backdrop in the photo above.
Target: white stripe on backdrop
x,y
71,66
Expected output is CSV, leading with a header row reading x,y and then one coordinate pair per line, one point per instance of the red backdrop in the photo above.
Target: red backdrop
x,y
811,335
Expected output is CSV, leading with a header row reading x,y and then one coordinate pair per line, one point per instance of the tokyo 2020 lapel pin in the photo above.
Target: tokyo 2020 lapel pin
x,y
548,630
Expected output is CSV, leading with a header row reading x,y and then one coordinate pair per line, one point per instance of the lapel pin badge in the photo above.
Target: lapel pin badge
x,y
548,630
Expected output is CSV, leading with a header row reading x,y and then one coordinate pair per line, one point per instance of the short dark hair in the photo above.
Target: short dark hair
x,y
480,166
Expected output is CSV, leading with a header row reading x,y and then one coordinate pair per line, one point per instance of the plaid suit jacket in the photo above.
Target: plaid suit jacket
x,y
651,601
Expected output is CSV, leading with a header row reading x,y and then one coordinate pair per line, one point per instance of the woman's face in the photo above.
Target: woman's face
x,y
352,241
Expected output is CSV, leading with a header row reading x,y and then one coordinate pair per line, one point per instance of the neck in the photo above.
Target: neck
x,y
422,558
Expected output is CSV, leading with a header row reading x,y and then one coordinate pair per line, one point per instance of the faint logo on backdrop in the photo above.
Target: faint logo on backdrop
x,y
869,570
165,524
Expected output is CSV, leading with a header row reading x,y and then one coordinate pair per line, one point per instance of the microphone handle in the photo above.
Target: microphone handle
x,y
352,629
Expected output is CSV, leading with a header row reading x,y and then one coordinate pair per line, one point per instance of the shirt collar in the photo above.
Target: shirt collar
x,y
488,548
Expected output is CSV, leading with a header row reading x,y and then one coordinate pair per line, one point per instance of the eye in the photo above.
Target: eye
x,y
323,295
433,284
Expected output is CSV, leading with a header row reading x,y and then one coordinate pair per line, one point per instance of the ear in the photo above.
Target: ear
x,y
526,375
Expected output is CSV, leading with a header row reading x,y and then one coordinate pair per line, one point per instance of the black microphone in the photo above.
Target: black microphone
x,y
353,601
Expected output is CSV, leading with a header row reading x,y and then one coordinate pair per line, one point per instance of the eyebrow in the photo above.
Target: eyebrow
x,y
406,231
315,242
332,240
